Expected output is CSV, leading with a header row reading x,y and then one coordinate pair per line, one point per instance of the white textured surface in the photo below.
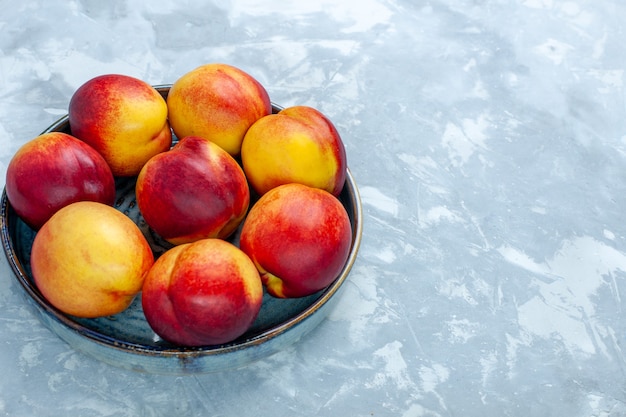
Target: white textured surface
x,y
488,139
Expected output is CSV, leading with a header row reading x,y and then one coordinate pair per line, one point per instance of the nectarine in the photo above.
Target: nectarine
x,y
298,237
194,191
218,102
123,118
90,260
202,293
299,144
52,171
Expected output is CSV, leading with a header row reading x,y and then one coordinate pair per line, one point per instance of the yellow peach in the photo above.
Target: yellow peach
x,y
90,260
297,145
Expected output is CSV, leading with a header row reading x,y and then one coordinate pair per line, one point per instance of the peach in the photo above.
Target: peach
x,y
90,260
299,144
123,118
202,293
52,171
298,237
218,102
194,191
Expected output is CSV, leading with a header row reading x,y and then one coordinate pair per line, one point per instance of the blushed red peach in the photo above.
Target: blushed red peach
x,y
298,237
202,293
52,171
194,191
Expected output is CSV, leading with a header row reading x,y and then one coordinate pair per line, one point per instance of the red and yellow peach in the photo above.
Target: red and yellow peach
x,y
123,118
298,237
52,171
194,191
297,145
218,102
202,293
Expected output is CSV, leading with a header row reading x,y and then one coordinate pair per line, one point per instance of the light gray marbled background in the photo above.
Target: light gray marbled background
x,y
488,140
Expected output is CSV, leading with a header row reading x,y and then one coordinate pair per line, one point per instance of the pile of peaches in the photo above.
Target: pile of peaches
x,y
274,177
